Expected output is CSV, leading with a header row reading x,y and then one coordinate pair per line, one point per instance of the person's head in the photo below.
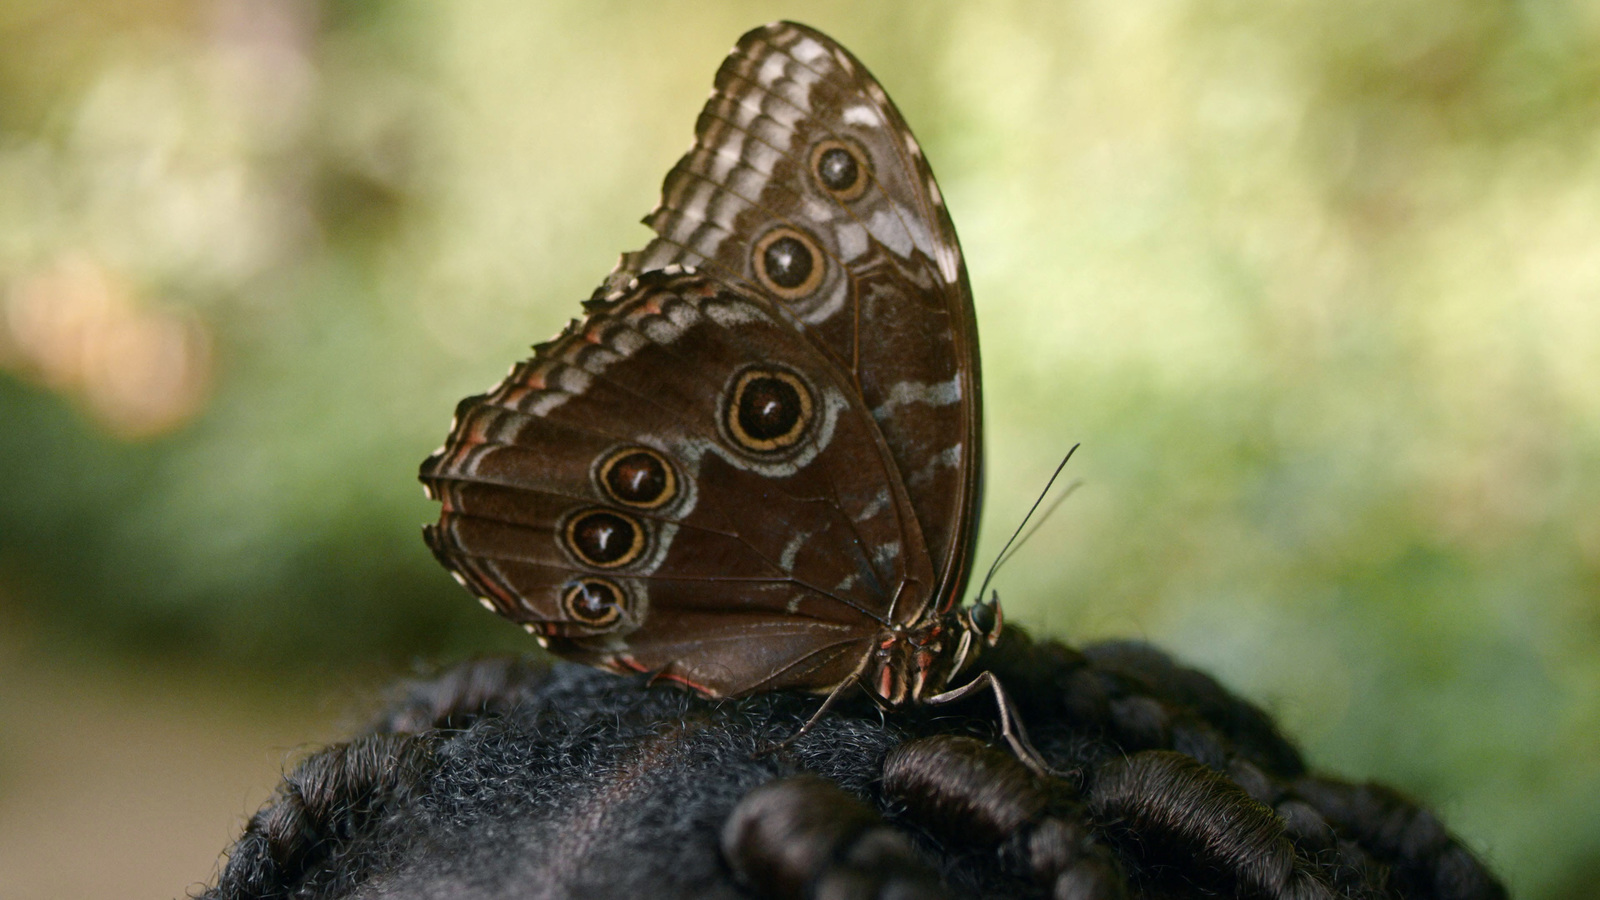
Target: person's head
x,y
507,778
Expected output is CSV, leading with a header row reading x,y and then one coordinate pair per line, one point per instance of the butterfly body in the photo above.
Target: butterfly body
x,y
755,463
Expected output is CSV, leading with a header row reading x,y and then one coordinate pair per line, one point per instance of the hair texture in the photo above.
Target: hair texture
x,y
514,778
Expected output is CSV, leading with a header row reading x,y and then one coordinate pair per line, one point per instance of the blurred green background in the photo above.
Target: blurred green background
x,y
1316,285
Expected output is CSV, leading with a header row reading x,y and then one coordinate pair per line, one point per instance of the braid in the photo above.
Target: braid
x,y
804,836
1425,859
330,797
1174,814
963,786
297,837
1137,698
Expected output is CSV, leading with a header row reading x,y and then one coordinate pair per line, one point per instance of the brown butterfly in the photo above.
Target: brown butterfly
x,y
755,463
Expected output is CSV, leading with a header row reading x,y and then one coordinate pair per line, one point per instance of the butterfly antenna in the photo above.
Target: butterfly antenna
x,y
1049,511
1001,557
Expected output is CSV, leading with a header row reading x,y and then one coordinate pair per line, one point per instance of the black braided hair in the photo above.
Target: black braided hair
x,y
514,778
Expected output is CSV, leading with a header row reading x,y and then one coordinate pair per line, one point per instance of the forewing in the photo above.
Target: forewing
x,y
802,165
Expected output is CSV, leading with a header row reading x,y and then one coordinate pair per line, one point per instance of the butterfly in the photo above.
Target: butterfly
x,y
755,462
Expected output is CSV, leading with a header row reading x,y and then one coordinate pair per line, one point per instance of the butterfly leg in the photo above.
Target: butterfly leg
x,y
1011,727
827,704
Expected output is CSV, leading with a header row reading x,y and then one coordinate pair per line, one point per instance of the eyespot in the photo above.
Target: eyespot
x,y
788,263
767,409
595,602
638,477
841,168
603,538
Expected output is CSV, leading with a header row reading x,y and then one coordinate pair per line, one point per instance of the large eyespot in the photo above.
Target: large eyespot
x,y
841,168
639,477
603,538
788,263
767,409
595,602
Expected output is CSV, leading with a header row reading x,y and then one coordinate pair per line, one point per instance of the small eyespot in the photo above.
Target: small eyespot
x,y
595,602
603,538
767,409
788,263
638,477
841,168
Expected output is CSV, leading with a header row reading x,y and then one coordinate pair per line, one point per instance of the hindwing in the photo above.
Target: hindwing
x,y
682,482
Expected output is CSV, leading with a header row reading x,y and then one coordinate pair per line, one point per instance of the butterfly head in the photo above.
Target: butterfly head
x,y
984,620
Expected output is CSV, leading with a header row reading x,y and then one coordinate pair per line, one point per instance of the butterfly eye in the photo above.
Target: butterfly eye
x,y
788,263
768,409
596,602
637,476
840,168
604,539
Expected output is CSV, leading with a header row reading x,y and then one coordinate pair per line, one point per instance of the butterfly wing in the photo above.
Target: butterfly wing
x,y
681,482
805,184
